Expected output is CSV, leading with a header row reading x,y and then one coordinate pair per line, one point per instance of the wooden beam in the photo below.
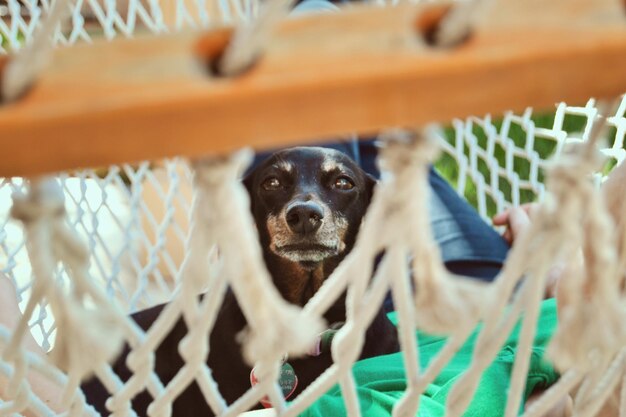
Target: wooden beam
x,y
324,75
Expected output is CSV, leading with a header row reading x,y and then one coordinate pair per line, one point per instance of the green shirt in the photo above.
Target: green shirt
x,y
381,380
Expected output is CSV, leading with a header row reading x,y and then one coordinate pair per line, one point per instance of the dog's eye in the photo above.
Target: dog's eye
x,y
271,184
343,183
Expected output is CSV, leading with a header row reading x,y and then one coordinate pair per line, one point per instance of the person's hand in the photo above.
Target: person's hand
x,y
516,220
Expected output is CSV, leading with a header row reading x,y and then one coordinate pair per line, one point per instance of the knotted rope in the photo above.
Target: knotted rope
x,y
461,21
396,222
555,233
593,294
441,303
89,329
251,38
293,332
34,57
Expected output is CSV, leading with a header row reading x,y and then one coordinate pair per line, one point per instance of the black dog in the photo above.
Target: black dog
x,y
308,204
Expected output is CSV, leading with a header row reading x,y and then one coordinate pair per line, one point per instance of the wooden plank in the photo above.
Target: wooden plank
x,y
323,76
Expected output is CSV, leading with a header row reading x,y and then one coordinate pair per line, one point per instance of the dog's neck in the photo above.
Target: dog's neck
x,y
297,283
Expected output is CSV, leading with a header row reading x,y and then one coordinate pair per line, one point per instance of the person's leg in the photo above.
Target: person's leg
x,y
469,246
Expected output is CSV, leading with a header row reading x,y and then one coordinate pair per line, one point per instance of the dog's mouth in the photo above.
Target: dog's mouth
x,y
307,253
308,247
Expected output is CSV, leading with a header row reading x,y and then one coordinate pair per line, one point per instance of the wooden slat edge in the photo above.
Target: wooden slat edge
x,y
63,125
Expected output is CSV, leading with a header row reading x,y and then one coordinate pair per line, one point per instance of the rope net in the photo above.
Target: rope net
x,y
96,245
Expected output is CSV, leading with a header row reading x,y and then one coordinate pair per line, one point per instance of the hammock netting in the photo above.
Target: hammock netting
x,y
129,238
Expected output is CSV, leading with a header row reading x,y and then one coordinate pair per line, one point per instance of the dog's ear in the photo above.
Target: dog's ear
x,y
370,185
248,182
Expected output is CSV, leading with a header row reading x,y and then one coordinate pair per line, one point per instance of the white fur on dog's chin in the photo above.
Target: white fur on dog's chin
x,y
305,255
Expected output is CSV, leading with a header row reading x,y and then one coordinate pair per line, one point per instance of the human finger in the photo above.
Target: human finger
x,y
501,218
519,221
529,208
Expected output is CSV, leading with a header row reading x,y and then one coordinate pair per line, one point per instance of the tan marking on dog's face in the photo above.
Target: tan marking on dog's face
x,y
330,165
283,166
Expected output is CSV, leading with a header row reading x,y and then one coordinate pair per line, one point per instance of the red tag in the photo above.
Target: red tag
x,y
288,381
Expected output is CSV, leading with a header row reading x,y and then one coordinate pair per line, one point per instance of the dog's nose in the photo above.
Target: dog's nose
x,y
304,217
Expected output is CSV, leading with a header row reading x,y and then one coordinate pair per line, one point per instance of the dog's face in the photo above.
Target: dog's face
x,y
308,204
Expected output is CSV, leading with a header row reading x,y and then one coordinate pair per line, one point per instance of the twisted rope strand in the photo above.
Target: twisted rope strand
x,y
251,38
35,56
622,398
461,21
408,404
554,394
605,388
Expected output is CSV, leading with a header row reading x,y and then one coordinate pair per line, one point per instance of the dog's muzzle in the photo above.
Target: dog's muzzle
x,y
306,232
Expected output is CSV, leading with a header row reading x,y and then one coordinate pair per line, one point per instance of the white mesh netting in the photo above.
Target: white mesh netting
x,y
135,222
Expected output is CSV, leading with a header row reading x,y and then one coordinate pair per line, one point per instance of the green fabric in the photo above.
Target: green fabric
x,y
381,380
